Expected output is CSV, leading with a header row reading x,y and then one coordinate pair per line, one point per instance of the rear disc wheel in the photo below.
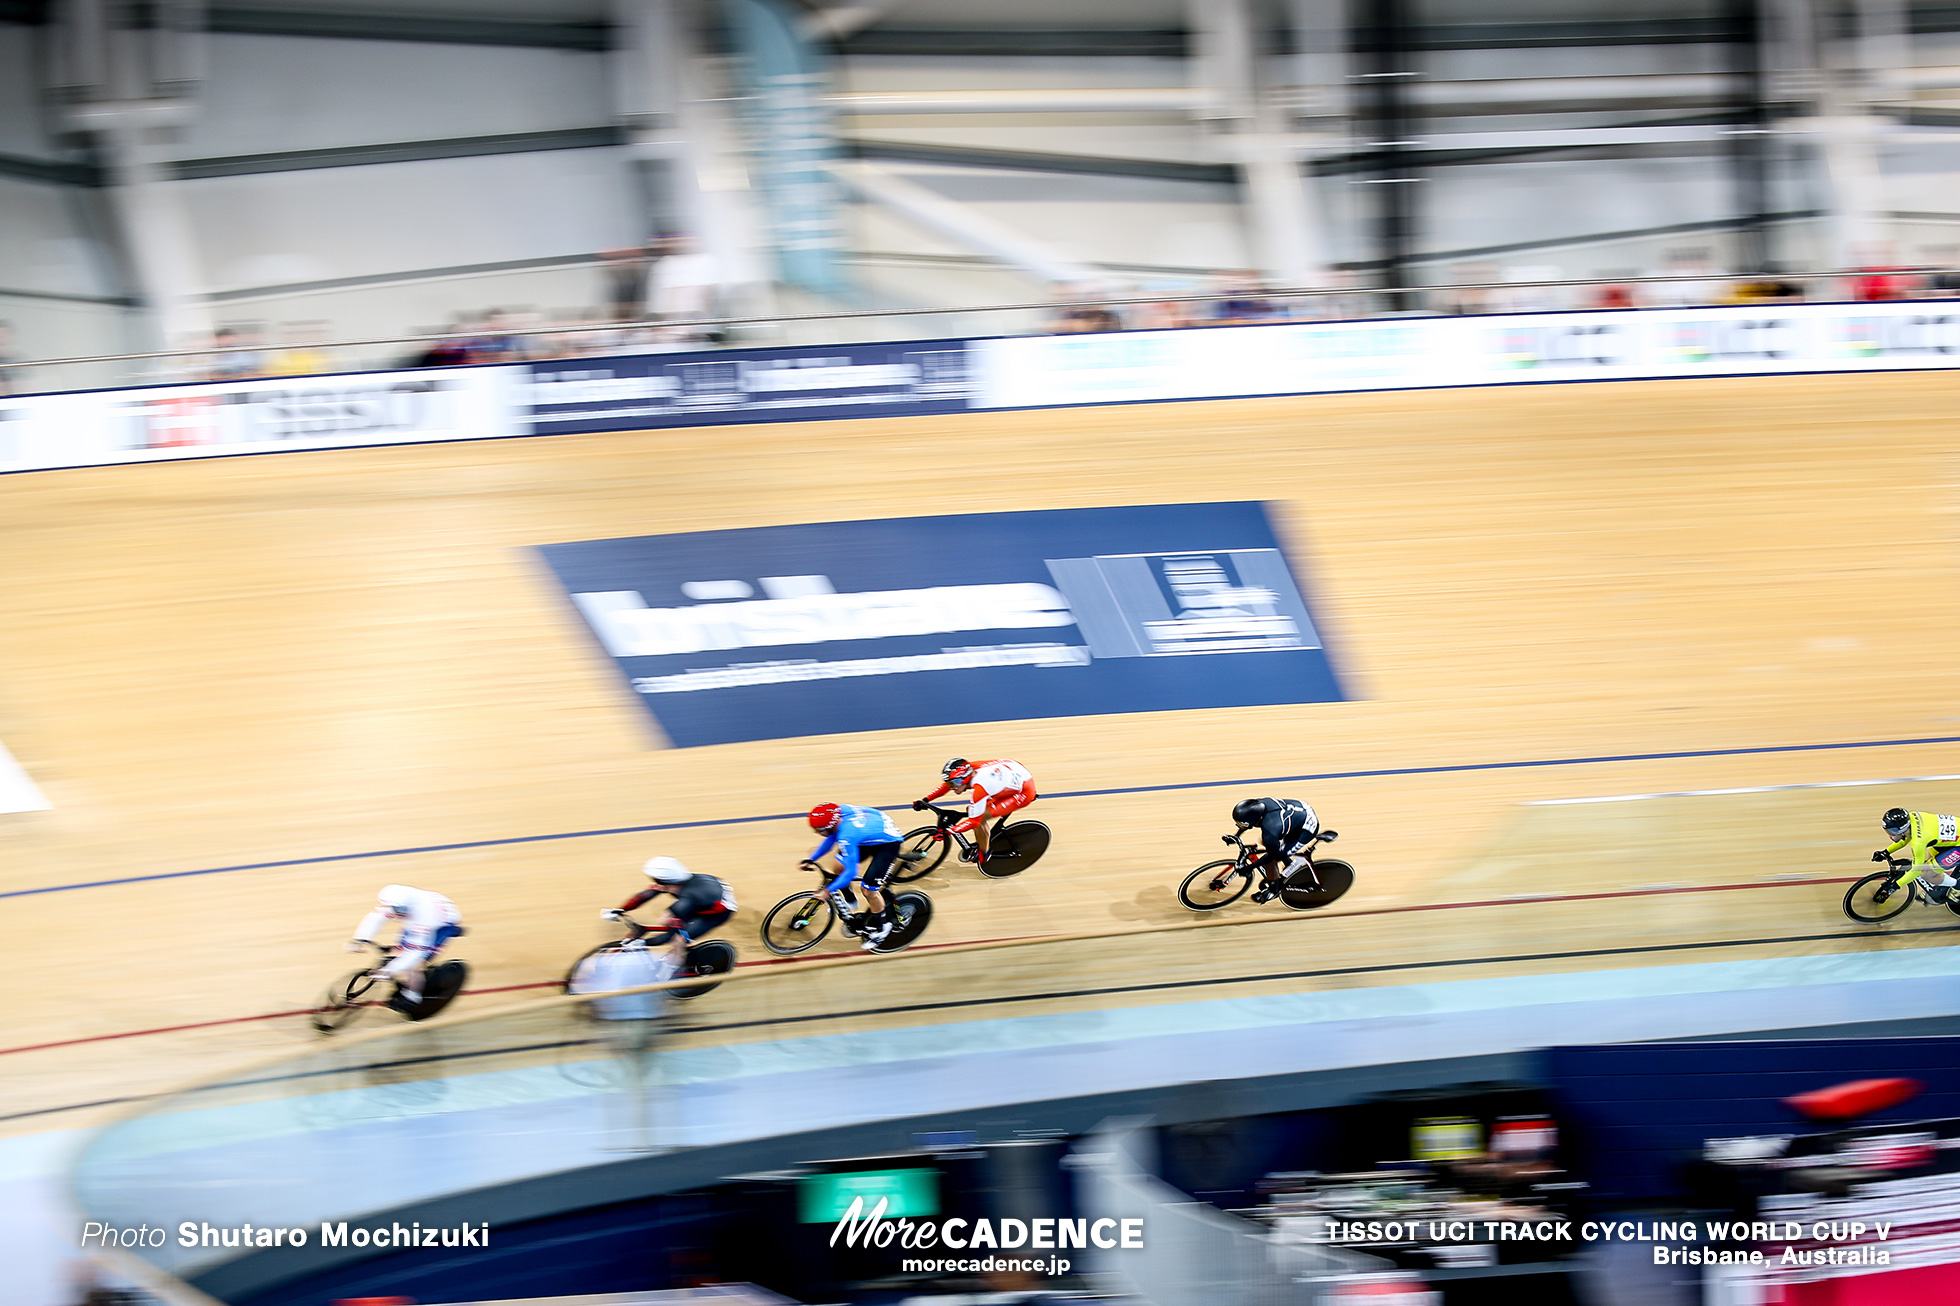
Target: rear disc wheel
x,y
715,957
1014,848
911,913
1316,885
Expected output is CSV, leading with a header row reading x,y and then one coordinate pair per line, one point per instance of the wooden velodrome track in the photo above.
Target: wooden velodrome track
x,y
279,663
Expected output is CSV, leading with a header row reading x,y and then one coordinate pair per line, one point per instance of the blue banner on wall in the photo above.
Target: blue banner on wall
x,y
878,625
749,385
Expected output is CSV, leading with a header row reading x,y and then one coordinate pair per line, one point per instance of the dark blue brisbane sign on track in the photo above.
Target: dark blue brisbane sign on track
x,y
921,621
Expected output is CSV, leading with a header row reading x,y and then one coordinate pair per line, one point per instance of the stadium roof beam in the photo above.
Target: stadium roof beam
x,y
1280,214
960,223
836,22
126,90
1121,99
1435,98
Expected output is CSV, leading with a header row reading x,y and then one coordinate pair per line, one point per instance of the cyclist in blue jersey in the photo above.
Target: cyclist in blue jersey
x,y
865,842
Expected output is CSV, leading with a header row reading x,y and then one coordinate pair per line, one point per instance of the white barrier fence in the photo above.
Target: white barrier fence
x,y
377,408
1409,353
319,412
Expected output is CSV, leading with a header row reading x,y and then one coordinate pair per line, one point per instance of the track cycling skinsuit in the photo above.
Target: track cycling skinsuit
x,y
428,919
861,832
701,903
999,787
1934,840
1287,824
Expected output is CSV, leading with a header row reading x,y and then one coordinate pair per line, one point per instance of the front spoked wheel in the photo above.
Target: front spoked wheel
x,y
797,924
1877,898
1213,885
1316,885
920,854
347,999
580,975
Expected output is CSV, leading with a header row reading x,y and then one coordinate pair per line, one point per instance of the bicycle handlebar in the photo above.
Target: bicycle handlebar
x,y
1318,836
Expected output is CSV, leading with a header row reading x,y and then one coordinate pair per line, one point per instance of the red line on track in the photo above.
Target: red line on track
x,y
281,1015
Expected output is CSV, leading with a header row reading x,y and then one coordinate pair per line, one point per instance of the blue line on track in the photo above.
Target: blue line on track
x,y
1458,768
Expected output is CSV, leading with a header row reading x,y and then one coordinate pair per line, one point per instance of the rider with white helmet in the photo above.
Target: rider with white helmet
x,y
428,921
701,902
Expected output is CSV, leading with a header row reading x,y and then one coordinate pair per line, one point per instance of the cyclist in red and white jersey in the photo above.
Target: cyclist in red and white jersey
x,y
994,789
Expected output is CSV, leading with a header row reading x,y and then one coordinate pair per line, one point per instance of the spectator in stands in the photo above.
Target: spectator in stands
x,y
683,288
447,353
1169,314
304,352
495,344
1692,280
10,377
1242,302
1879,277
626,272
1614,294
1078,314
1944,282
1349,302
1523,296
237,353
1471,292
1771,287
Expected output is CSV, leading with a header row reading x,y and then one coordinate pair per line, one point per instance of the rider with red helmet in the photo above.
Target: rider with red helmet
x,y
865,841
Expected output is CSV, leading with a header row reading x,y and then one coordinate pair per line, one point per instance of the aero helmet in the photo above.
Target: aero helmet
x,y
666,870
824,817
1251,811
394,898
958,771
1897,821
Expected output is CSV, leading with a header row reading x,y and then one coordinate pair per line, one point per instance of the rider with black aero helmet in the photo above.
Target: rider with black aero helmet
x,y
1285,825
1935,843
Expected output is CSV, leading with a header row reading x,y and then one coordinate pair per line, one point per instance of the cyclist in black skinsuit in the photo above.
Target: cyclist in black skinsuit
x,y
701,902
1285,825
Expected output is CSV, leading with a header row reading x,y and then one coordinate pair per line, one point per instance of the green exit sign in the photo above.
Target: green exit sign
x,y
827,1198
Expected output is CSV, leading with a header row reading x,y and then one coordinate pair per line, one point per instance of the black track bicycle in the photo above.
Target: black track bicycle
x,y
1320,881
801,921
705,957
365,990
1011,849
1879,897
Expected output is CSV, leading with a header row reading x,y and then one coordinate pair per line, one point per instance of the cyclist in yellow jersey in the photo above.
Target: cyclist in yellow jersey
x,y
1935,843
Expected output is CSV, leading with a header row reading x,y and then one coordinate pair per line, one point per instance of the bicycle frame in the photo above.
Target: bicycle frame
x,y
843,901
653,934
950,816
1249,854
1899,866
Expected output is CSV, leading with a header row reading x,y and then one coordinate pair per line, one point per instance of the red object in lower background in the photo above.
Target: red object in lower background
x,y
1858,1098
1394,1288
373,1301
